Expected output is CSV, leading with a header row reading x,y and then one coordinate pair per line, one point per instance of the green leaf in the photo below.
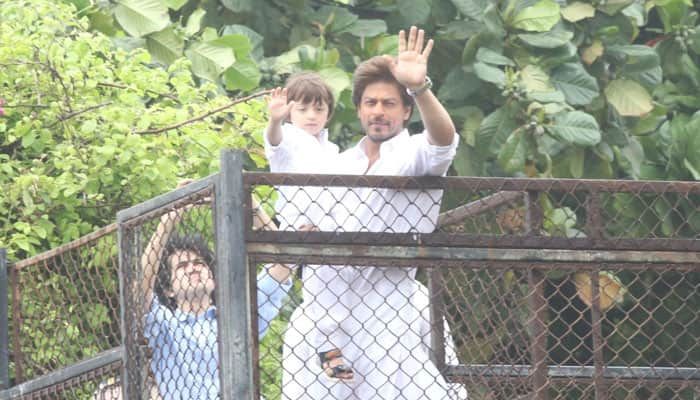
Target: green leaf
x,y
577,156
577,11
209,61
459,85
514,152
534,79
240,44
461,30
471,8
494,131
336,78
612,7
416,11
539,18
194,22
488,56
255,39
629,98
238,6
165,46
635,57
175,4
693,169
141,17
576,127
243,74
631,158
547,40
578,86
366,28
490,74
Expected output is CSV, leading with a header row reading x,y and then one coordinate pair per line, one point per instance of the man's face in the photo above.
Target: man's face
x,y
311,117
381,111
190,277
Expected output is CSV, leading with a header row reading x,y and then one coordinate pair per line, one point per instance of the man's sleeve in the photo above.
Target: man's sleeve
x,y
270,295
430,159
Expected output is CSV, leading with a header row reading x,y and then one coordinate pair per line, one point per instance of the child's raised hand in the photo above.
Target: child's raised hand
x,y
277,104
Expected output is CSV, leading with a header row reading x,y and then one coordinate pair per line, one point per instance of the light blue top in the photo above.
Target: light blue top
x,y
185,350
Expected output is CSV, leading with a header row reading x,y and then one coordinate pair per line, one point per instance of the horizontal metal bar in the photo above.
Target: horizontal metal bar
x,y
77,243
165,199
443,239
61,375
472,254
574,371
473,183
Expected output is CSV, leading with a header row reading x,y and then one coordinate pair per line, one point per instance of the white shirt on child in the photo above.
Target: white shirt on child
x,y
300,152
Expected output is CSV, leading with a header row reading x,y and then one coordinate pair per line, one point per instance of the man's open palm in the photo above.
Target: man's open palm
x,y
411,65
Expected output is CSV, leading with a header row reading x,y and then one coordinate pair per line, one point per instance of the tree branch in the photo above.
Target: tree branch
x,y
118,86
70,115
203,116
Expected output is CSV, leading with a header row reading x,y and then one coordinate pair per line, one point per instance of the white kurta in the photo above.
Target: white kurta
x,y
299,152
367,311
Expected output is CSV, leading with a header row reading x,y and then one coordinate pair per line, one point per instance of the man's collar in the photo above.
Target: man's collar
x,y
387,145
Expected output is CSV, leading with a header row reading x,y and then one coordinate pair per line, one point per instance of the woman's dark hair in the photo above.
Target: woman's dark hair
x,y
194,243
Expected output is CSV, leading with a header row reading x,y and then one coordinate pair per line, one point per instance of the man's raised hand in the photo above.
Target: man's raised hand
x,y
411,66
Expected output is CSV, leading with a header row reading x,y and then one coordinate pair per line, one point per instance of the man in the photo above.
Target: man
x,y
180,319
372,306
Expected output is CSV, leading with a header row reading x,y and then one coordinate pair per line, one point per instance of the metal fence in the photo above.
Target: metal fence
x,y
484,288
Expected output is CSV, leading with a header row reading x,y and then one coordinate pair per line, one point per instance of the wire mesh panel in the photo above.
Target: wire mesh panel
x,y
65,305
525,288
168,288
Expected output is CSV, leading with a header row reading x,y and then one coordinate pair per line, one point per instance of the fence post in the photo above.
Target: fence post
x,y
538,304
594,230
437,318
4,328
233,282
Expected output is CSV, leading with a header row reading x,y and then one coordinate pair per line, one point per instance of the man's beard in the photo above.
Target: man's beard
x,y
378,138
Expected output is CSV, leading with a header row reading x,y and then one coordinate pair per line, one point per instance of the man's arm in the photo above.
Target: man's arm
x,y
410,69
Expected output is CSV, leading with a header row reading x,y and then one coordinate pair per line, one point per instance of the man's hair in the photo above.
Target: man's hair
x,y
194,243
308,87
374,70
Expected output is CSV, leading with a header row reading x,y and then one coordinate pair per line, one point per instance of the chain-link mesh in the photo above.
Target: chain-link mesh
x,y
526,288
64,305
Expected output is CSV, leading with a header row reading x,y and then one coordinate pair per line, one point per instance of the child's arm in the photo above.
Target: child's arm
x,y
278,109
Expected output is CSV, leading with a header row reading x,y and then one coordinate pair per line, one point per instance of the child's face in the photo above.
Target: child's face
x,y
311,117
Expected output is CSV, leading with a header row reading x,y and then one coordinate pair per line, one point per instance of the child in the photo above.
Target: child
x,y
296,141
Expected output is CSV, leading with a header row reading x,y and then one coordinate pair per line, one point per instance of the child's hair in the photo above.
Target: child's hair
x,y
308,87
194,243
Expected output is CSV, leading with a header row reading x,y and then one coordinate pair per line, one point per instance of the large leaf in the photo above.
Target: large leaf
x,y
577,11
514,152
490,74
209,61
366,28
635,57
535,79
471,8
576,127
488,56
539,18
629,98
578,86
547,40
238,6
242,75
612,7
461,30
336,78
334,19
165,46
458,85
416,11
255,39
494,131
141,17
